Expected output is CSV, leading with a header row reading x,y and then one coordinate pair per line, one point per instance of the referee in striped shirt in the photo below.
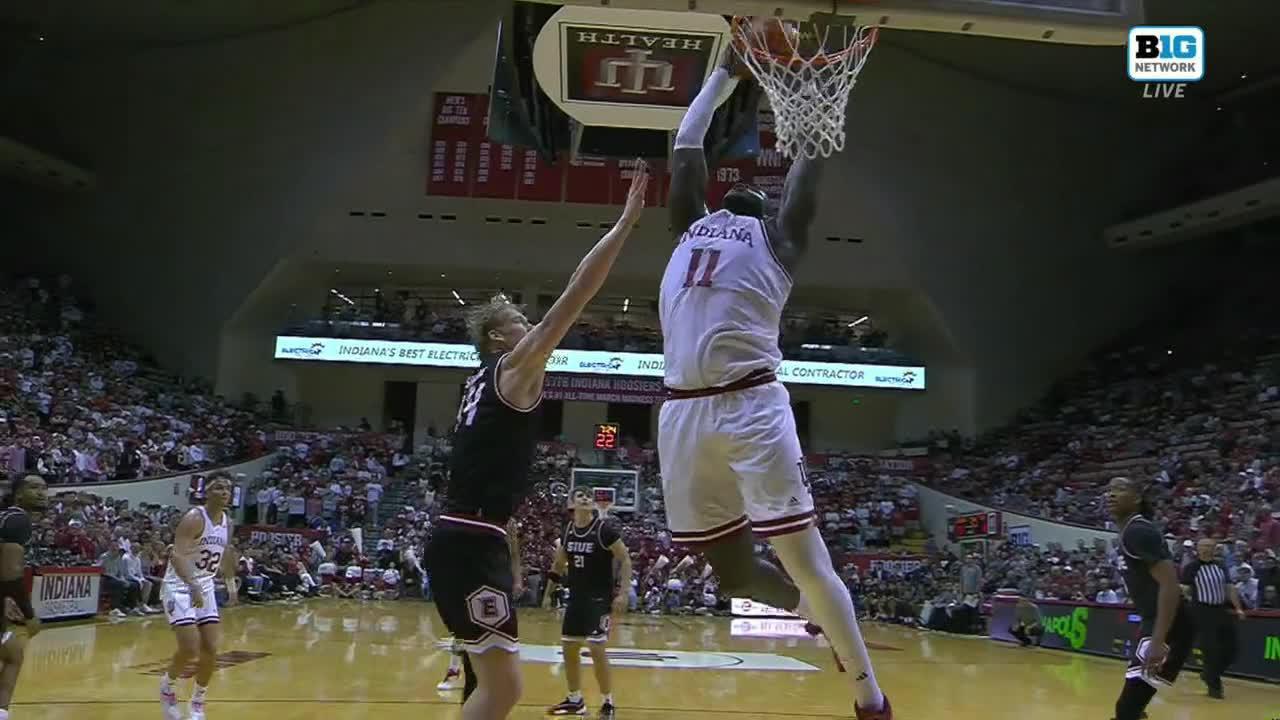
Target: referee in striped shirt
x,y
1209,587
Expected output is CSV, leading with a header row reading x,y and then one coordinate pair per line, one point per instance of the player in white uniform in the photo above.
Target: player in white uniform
x,y
200,544
731,460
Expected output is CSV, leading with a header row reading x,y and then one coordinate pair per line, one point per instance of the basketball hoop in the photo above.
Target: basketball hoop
x,y
604,497
807,84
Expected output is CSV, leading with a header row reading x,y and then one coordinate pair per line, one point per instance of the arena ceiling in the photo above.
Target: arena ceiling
x,y
149,23
1239,36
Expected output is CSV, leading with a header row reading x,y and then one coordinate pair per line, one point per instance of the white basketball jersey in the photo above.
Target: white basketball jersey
x,y
206,557
721,303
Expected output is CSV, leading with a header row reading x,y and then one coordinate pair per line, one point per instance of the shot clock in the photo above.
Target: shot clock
x,y
606,436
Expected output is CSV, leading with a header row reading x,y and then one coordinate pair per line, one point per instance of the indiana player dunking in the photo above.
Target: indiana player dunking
x,y
589,548
731,460
27,495
1166,633
472,558
200,548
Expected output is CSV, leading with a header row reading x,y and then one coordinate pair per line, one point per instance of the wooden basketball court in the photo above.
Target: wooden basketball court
x,y
343,660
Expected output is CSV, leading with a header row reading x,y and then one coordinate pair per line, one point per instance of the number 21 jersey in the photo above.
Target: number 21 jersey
x,y
721,303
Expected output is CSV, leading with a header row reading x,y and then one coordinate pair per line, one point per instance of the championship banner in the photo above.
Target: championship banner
x,y
894,565
62,593
581,362
1112,631
293,538
594,388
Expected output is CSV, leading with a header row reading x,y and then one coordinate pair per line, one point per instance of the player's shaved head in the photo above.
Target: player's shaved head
x,y
745,200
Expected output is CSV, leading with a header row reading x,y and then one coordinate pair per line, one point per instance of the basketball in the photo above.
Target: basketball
x,y
774,35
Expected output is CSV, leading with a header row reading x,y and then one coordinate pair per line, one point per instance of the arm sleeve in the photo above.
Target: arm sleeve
x,y
697,120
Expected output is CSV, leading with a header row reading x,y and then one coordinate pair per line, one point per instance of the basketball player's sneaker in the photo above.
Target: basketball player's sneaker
x,y
569,706
884,713
452,680
196,709
607,711
169,704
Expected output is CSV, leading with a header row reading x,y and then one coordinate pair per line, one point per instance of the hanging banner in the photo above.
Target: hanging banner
x,y
595,388
582,362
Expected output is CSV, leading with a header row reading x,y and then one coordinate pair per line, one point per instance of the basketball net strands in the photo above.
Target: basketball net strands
x,y
807,77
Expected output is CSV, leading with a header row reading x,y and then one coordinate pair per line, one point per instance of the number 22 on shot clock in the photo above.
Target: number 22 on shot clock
x,y
606,436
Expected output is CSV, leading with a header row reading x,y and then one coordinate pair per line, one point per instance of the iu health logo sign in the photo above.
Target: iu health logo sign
x,y
1165,53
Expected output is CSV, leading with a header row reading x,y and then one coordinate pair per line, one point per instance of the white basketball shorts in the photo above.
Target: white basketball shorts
x,y
180,609
732,460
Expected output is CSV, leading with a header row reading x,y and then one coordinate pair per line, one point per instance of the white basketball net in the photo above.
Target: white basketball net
x,y
808,94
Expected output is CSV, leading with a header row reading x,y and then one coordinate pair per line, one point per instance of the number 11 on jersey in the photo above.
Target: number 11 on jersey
x,y
708,269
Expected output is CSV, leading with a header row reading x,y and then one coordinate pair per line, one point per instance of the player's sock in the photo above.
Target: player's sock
x,y
455,662
166,684
575,696
198,693
807,561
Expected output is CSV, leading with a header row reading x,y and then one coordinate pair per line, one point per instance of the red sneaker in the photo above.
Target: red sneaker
x,y
884,713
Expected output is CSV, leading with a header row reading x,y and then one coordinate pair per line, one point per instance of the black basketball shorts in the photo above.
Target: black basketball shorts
x,y
1181,637
470,574
586,618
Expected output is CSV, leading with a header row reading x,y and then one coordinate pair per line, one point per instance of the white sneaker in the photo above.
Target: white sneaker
x,y
196,711
169,704
451,680
117,613
148,610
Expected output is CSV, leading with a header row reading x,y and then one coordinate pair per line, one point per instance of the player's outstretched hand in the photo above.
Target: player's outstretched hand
x,y
635,196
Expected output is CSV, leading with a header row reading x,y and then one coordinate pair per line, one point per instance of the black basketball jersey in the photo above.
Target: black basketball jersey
x,y
15,528
590,560
493,444
1142,547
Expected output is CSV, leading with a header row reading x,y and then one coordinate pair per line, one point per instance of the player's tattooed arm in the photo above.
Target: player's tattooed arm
x,y
513,544
621,596
559,566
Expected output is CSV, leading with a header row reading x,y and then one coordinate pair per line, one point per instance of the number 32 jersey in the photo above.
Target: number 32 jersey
x,y
721,303
206,557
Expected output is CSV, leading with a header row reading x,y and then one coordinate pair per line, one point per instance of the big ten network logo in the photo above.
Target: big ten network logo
x,y
1164,58
635,66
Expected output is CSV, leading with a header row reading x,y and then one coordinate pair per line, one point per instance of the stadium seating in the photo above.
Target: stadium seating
x,y
78,404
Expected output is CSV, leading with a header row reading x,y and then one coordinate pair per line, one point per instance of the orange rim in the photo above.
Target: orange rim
x,y
820,59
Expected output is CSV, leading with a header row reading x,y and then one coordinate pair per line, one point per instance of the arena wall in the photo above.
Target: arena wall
x,y
221,162
936,507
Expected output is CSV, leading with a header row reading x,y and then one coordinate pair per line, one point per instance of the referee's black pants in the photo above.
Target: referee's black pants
x,y
1216,638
